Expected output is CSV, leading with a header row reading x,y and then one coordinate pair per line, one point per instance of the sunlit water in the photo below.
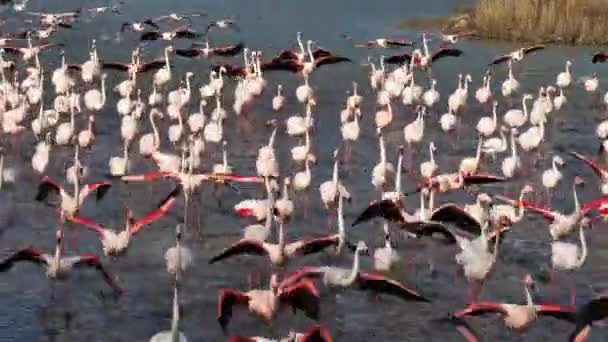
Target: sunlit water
x,y
77,312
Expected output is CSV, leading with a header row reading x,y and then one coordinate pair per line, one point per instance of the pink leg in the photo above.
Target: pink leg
x,y
552,286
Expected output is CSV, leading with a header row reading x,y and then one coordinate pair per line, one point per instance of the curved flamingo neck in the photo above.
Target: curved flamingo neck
x,y
154,130
583,256
310,54
175,317
355,270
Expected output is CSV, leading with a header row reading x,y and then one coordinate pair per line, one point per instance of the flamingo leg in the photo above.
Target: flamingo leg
x,y
348,150
552,285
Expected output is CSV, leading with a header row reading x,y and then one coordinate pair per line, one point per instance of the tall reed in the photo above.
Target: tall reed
x,y
566,21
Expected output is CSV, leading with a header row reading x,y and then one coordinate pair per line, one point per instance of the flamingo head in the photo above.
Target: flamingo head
x,y
59,235
528,281
178,231
527,189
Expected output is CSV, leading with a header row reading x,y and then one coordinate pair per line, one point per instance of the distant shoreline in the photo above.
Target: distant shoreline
x,y
567,22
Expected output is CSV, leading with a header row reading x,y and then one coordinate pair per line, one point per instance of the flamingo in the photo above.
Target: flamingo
x,y
599,170
345,278
511,84
70,204
384,117
304,92
496,145
302,179
517,55
350,130
518,316
40,159
176,131
516,117
512,163
484,93
487,125
116,243
385,257
7,174
567,256
120,165
354,101
163,75
531,138
267,303
57,265
278,102
560,100
428,168
300,153
383,171
284,207
564,79
150,142
65,131
448,121
591,84
331,189
431,96
512,211
266,163
552,176
279,253
87,136
92,67
94,100
298,125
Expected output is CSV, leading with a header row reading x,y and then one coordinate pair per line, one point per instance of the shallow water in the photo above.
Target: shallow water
x,y
31,313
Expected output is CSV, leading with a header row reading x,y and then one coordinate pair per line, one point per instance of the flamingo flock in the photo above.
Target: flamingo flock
x,y
182,124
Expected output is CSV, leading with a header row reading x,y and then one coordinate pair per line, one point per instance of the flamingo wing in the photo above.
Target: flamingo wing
x,y
303,296
12,50
311,246
480,178
595,310
534,48
567,313
288,55
595,166
387,209
430,228
151,23
115,66
160,211
101,188
241,339
28,254
150,35
318,53
189,53
547,214
145,177
281,64
93,260
446,53
154,65
98,228
241,247
500,59
599,57
398,59
454,214
233,177
399,42
331,59
231,70
596,204
317,333
227,299
463,327
481,308
229,50
383,284
306,272
186,33
46,186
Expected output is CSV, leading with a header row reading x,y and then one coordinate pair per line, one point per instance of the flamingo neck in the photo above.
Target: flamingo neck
x,y
310,54
155,131
355,270
431,200
103,90
281,235
425,46
398,176
554,166
302,51
77,175
272,137
529,301
382,150
577,205
421,214
520,213
341,230
513,146
432,154
494,116
335,172
583,256
175,318
1,169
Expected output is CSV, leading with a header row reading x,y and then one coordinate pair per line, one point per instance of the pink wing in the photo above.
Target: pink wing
x,y
311,246
98,228
481,308
600,171
241,247
567,313
161,211
146,177
100,187
93,261
548,214
227,299
383,284
306,272
304,296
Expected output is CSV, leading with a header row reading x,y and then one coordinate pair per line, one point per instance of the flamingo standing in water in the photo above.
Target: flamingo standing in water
x,y
57,265
116,243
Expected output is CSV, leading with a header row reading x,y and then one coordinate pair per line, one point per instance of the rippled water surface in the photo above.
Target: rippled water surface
x,y
77,312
